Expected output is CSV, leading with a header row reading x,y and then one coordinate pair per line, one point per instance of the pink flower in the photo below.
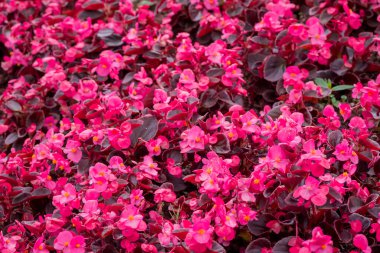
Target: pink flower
x,y
154,146
357,44
130,218
192,140
187,78
277,158
100,170
87,89
316,32
246,214
299,31
319,243
42,151
68,194
62,242
166,237
344,152
312,191
164,194
40,246
232,73
360,241
77,244
117,163
211,4
294,76
375,228
73,151
258,181
352,17
136,197
345,110
213,51
249,120
199,238
148,167
104,67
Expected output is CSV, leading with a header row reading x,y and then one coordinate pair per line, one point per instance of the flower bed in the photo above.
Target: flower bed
x,y
189,126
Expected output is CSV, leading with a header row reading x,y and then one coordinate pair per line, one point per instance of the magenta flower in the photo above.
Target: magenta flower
x,y
210,4
104,67
344,152
130,218
249,120
68,194
40,246
277,158
319,243
193,139
99,171
312,191
164,194
62,242
87,89
149,168
345,110
361,242
73,151
187,78
77,244
214,51
199,238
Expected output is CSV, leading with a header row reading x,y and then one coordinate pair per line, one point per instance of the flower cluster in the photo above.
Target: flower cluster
x,y
189,126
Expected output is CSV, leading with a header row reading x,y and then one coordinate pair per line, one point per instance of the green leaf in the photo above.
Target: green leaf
x,y
326,83
342,87
334,101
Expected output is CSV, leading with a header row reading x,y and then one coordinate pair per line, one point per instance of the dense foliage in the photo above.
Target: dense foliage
x,y
189,126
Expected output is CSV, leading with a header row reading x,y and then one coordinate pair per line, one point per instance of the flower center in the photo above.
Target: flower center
x,y
77,245
201,231
66,244
197,139
73,150
256,181
131,217
66,194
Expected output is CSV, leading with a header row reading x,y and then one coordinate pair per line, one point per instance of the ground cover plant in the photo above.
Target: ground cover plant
x,y
189,126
